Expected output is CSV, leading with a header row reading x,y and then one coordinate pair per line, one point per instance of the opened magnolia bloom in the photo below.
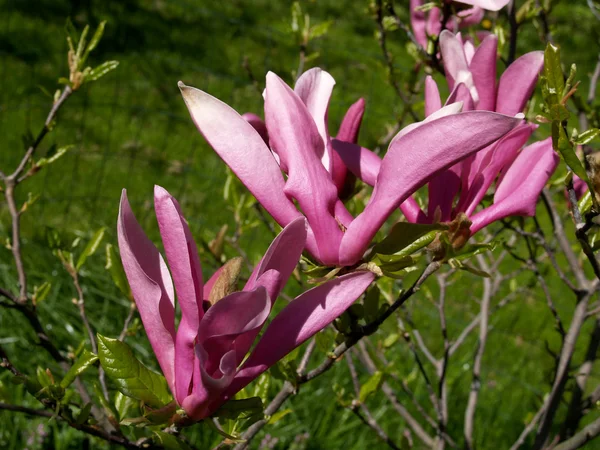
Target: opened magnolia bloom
x,y
519,173
202,357
291,158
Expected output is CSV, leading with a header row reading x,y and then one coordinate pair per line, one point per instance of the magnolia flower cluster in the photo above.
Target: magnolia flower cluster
x,y
427,22
302,176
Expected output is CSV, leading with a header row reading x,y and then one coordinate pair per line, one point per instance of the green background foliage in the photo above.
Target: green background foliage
x,y
131,130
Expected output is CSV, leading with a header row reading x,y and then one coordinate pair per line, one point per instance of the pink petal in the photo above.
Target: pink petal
x,y
243,150
151,287
461,94
258,124
294,136
471,16
433,102
282,257
348,132
491,160
299,321
483,68
418,22
521,185
362,162
224,322
490,5
314,88
415,158
184,263
441,190
412,211
455,63
518,82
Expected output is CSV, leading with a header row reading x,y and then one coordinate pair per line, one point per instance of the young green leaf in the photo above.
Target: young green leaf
x,y
101,70
170,442
406,238
85,360
371,386
91,248
131,377
587,136
115,268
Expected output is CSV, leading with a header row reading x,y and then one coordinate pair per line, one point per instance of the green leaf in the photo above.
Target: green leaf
x,y
84,414
553,73
393,263
587,136
115,268
323,341
123,404
106,405
261,386
240,409
406,238
40,292
81,45
370,386
131,377
471,250
585,204
170,442
53,238
320,29
279,415
390,340
54,157
371,303
85,360
566,150
94,41
71,33
91,248
101,70
43,377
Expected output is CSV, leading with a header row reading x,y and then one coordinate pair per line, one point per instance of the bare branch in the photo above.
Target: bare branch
x,y
584,436
476,383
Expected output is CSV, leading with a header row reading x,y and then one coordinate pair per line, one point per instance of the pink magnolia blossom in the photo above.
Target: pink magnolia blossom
x,y
203,358
299,145
427,24
519,173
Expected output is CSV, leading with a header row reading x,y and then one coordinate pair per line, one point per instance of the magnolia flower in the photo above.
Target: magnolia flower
x,y
203,358
429,23
519,173
299,145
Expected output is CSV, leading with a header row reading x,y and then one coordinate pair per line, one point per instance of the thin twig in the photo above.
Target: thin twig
x,y
476,383
580,439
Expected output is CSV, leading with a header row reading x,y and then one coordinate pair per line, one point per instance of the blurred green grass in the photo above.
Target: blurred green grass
x,y
131,130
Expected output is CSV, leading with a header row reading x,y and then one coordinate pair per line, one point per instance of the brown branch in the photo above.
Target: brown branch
x,y
362,411
476,383
584,436
24,410
562,373
127,322
391,396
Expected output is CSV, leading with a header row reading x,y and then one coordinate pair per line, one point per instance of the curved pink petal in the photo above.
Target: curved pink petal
x,y
490,5
224,322
461,94
314,87
294,136
433,101
258,124
414,159
412,211
186,271
518,82
455,63
282,256
242,149
471,16
491,161
348,132
299,321
483,68
151,287
362,162
418,22
441,191
521,185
